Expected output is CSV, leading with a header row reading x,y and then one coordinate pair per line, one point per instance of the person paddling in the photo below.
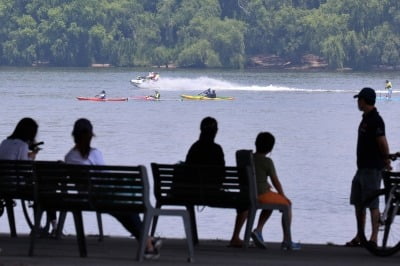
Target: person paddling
x,y
101,95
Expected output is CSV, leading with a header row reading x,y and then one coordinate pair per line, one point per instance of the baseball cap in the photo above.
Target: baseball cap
x,y
368,94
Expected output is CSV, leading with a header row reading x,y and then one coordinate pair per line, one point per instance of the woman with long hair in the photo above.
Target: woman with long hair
x,y
20,145
16,146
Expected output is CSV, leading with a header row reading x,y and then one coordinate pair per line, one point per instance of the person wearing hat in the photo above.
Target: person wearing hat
x,y
388,86
372,158
83,153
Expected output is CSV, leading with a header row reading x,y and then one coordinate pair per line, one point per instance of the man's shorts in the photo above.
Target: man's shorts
x,y
272,197
364,183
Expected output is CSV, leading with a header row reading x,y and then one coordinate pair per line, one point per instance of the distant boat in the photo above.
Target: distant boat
x,y
148,81
96,99
205,98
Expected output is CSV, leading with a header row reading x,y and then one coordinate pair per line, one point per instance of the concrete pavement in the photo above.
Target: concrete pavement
x,y
121,251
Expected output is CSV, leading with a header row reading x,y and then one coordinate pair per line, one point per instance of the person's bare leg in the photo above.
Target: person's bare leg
x,y
375,224
360,218
239,221
287,235
264,215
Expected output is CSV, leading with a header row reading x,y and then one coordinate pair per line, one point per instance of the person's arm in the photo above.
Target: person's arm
x,y
384,149
277,185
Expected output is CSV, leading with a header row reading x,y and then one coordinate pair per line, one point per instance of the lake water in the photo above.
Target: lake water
x,y
312,114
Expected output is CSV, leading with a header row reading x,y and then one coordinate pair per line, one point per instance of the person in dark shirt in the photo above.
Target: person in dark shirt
x,y
206,152
372,158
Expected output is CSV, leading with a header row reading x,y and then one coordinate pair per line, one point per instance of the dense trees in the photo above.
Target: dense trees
x,y
358,34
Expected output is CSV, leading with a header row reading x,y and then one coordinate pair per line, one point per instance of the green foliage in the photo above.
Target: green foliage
x,y
210,33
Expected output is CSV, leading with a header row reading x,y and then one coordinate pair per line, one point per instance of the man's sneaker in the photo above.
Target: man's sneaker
x,y
290,246
152,255
258,239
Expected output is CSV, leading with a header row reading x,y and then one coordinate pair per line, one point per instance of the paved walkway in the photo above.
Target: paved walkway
x,y
121,251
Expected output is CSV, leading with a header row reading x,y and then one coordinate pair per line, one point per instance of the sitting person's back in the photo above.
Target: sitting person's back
x,y
207,153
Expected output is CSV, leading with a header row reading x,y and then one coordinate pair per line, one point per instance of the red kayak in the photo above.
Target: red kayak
x,y
95,99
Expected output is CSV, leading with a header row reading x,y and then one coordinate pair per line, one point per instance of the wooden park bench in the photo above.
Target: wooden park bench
x,y
191,185
16,183
212,186
103,189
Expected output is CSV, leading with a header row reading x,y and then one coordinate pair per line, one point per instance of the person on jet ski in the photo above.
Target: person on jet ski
x,y
152,76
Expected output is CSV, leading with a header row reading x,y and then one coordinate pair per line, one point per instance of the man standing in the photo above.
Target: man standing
x,y
388,87
372,158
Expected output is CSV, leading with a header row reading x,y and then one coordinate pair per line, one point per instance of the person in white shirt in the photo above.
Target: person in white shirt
x,y
20,146
16,146
83,153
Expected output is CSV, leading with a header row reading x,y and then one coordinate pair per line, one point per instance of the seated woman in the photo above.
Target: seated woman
x,y
21,145
83,153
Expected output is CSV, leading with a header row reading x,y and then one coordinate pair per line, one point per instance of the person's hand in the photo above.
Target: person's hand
x,y
32,154
387,164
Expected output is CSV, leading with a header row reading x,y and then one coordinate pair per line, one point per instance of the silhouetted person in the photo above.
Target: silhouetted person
x,y
206,152
388,87
372,158
265,171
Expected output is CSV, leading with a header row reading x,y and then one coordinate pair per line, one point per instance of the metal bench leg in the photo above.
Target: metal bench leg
x,y
155,221
144,235
60,224
35,230
250,221
100,225
189,238
193,224
11,217
80,234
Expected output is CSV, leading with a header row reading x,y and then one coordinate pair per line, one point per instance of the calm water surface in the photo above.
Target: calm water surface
x,y
312,115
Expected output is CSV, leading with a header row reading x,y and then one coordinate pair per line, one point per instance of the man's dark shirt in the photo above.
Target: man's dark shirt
x,y
368,153
205,153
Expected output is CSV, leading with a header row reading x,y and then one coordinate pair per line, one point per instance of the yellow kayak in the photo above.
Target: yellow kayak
x,y
202,97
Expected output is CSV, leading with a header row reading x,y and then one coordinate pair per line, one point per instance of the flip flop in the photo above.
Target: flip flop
x,y
353,243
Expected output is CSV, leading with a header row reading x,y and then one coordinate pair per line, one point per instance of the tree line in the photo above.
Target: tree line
x,y
358,34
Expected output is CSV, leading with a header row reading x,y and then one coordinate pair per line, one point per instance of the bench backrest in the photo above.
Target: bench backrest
x,y
218,186
244,158
16,179
92,187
